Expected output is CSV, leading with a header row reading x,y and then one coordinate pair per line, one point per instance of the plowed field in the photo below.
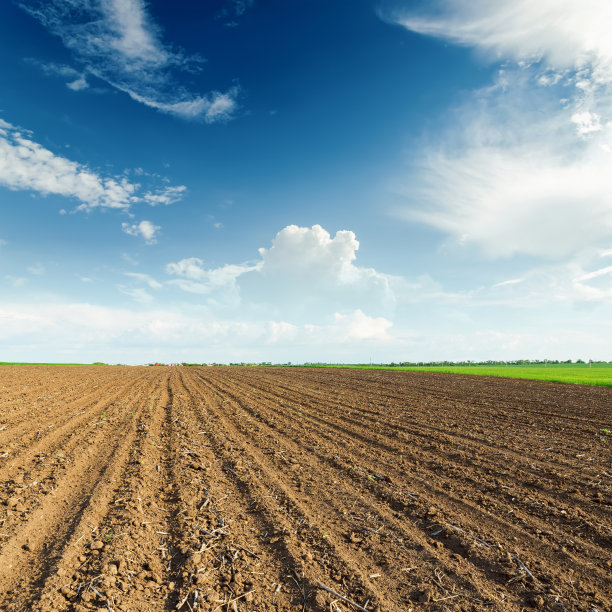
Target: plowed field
x,y
127,488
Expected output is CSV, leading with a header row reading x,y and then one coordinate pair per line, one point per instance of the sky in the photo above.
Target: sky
x,y
314,180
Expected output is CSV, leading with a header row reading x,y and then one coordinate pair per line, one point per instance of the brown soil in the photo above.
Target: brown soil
x,y
134,488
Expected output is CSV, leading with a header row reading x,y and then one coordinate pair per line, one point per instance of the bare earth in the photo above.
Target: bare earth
x,y
128,488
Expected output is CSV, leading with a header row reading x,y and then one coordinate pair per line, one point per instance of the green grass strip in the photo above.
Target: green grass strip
x,y
598,374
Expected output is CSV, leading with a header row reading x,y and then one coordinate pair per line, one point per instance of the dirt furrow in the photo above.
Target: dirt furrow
x,y
441,420
44,401
116,560
33,476
44,440
374,510
61,519
250,489
444,456
322,504
223,560
564,559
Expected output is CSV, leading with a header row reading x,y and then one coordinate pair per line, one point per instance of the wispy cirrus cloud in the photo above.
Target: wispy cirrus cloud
x,y
118,41
27,165
214,107
565,34
525,172
165,195
234,10
37,269
75,79
144,278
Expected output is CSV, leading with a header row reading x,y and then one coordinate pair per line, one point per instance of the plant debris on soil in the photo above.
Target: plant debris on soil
x,y
252,489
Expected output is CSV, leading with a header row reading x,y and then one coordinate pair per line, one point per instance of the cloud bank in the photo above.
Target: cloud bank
x,y
136,335
526,172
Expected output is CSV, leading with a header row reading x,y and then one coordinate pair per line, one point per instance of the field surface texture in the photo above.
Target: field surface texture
x,y
227,488
597,374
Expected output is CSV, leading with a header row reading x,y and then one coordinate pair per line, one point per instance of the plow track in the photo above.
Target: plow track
x,y
226,488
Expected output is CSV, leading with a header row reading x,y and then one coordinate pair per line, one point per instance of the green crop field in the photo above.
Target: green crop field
x,y
599,374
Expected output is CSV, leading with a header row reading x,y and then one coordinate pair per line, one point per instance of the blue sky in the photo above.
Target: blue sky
x,y
308,180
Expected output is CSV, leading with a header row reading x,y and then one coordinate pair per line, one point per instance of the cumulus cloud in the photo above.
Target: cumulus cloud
x,y
358,326
118,42
144,229
27,165
526,171
305,269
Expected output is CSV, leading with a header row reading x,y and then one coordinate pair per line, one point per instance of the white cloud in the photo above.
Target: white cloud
x,y
586,122
607,271
118,42
565,33
77,80
527,198
305,269
137,293
512,281
27,165
53,330
195,278
91,330
144,229
78,84
190,268
579,283
3,242
37,269
166,195
358,326
145,278
526,171
16,281
130,32
212,108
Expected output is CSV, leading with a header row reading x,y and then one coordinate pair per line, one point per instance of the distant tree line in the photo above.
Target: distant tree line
x,y
489,362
